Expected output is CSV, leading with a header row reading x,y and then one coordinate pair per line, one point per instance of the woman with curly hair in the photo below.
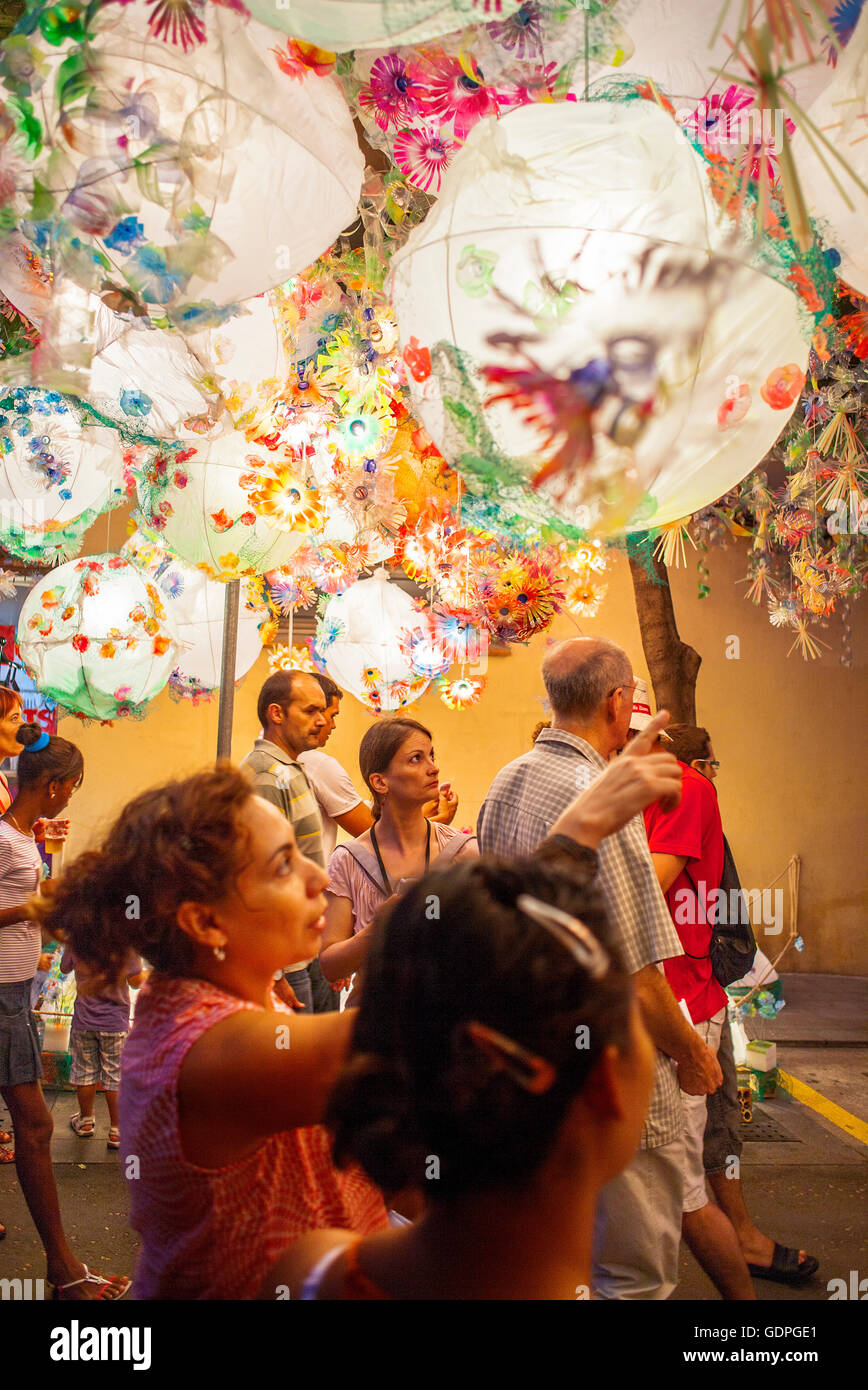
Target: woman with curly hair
x,y
222,1087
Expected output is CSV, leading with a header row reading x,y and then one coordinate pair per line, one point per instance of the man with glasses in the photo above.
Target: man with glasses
x,y
590,687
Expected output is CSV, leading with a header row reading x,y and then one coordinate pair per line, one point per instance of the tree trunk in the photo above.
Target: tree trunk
x,y
672,664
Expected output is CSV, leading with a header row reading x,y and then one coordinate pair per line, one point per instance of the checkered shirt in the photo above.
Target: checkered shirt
x,y
523,802
283,782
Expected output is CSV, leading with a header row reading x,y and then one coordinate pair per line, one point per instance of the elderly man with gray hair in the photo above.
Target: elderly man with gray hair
x,y
590,684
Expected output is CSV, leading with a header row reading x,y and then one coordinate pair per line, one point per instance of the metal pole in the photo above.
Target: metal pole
x,y
227,669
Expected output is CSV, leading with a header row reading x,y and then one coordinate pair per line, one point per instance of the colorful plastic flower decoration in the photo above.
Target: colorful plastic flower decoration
x,y
462,692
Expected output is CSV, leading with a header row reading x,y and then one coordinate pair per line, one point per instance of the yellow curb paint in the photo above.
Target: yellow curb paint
x,y
851,1124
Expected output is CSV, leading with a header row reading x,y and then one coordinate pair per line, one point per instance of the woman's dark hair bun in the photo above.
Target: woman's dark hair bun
x,y
374,1101
28,734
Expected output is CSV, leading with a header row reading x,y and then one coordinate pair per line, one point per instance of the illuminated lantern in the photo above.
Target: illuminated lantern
x,y
96,637
183,170
199,501
57,474
586,319
359,643
343,24
196,604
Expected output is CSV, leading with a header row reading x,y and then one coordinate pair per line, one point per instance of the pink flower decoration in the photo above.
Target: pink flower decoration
x,y
451,93
422,155
391,92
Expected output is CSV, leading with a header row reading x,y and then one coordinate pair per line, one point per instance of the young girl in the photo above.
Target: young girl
x,y
222,1089
396,758
49,770
100,1024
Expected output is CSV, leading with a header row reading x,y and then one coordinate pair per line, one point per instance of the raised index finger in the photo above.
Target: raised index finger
x,y
644,742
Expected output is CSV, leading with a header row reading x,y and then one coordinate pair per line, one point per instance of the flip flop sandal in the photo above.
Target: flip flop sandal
x,y
115,1287
785,1267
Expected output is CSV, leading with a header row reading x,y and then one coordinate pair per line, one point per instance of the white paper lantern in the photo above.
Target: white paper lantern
x,y
196,606
198,172
359,642
832,195
57,474
96,637
198,502
345,24
580,333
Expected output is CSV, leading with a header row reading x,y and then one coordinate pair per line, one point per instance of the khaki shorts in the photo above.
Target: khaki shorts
x,y
637,1230
695,1116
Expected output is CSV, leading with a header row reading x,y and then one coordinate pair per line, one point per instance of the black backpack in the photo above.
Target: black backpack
x,y
733,945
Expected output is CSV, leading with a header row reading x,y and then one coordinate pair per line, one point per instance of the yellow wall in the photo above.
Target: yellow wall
x,y
788,734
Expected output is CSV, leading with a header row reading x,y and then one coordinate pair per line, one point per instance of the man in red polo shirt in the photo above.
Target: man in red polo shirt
x,y
687,849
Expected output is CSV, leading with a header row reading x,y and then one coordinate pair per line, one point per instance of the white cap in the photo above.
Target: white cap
x,y
641,715
641,707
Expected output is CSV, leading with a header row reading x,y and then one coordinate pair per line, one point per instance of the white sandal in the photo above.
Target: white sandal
x,y
83,1127
115,1282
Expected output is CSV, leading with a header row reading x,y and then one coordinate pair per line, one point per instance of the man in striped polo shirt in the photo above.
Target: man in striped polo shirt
x,y
291,710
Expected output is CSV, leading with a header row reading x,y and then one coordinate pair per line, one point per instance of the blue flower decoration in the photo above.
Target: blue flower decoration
x,y
125,235
135,403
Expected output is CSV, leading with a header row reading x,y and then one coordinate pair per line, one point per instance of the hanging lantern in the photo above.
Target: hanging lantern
x,y
346,24
198,501
196,605
57,473
96,637
180,172
588,321
359,638
835,180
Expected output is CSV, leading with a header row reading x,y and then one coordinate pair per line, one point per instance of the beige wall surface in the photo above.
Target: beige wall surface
x,y
790,736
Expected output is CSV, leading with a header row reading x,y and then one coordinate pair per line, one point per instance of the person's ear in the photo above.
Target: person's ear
x,y
197,921
614,705
274,714
694,763
378,784
603,1092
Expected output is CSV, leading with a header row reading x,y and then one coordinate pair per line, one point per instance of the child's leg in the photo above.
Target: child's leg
x,y
111,1046
111,1100
86,1096
84,1072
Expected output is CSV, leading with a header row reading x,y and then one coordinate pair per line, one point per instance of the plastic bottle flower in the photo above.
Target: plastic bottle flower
x,y
392,92
782,386
474,271
422,155
455,90
461,693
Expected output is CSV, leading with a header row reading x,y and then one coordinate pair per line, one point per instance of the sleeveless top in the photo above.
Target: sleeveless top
x,y
213,1233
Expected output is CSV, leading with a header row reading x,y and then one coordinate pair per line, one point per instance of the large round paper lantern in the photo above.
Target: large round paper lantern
x,y
202,500
184,172
360,638
345,24
831,192
196,606
581,335
57,473
95,636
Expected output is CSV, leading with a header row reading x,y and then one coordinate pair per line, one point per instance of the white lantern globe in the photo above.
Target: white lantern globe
x,y
198,504
565,232
196,605
344,24
198,172
57,473
96,637
359,643
831,192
